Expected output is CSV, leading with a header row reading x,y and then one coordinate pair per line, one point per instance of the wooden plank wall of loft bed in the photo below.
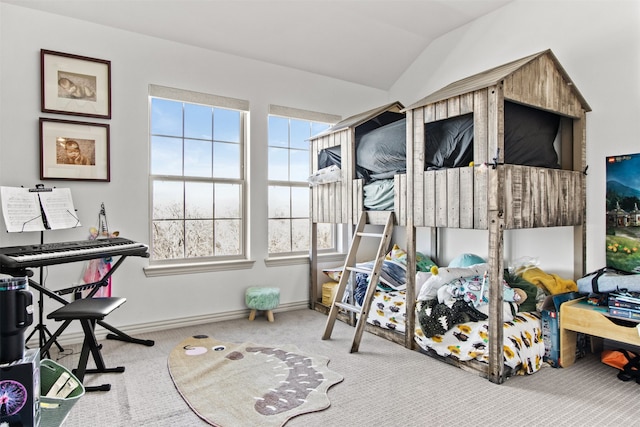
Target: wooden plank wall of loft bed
x,y
504,196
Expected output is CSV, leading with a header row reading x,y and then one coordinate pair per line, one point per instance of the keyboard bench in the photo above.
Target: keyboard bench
x,y
88,311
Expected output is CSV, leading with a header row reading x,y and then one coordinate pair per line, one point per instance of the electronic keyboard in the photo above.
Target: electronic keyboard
x,y
29,256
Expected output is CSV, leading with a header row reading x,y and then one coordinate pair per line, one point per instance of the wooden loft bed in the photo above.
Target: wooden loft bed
x,y
342,201
490,190
490,194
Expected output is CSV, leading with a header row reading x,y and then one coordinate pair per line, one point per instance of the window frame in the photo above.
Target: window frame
x,y
161,267
289,113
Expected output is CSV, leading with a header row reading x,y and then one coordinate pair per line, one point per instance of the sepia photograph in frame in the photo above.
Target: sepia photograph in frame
x,y
71,150
75,85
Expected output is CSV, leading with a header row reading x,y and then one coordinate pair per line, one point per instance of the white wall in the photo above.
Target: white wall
x,y
598,44
136,62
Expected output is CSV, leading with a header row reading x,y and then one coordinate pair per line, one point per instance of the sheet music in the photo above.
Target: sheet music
x,y
21,209
58,209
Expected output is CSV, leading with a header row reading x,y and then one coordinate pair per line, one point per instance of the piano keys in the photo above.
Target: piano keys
x,y
31,256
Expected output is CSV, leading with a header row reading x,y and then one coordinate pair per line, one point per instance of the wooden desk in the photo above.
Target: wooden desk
x,y
578,316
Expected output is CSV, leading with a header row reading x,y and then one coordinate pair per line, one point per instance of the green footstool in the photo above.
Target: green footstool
x,y
263,299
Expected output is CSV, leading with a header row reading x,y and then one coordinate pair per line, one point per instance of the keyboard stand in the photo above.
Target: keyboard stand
x,y
117,334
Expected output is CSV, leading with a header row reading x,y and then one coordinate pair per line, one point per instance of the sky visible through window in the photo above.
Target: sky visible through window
x,y
196,165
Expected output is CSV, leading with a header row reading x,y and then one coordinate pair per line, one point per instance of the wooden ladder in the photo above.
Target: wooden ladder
x,y
374,276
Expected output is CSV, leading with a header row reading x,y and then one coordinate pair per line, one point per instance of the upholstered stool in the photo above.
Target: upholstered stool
x,y
88,311
261,298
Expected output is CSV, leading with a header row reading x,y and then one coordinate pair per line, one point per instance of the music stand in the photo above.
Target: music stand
x,y
42,221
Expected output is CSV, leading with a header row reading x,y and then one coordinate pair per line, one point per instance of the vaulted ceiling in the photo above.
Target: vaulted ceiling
x,y
369,42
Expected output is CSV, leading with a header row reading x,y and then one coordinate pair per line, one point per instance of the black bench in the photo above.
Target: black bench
x,y
88,311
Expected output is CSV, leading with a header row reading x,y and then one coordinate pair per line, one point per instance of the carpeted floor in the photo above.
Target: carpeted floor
x,y
384,384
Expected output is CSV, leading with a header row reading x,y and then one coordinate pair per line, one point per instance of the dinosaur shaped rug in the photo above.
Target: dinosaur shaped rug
x,y
234,385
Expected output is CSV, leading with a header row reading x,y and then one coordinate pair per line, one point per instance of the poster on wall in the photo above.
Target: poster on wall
x,y
623,214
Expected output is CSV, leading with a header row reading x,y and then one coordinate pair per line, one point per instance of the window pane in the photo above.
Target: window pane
x,y
199,238
325,236
228,237
300,133
316,128
197,210
227,201
166,117
299,165
300,235
226,125
166,156
168,239
279,235
226,160
279,202
197,158
168,200
198,200
278,131
198,121
279,164
300,202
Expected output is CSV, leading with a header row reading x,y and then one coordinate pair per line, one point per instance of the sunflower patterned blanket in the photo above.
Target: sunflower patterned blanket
x,y
523,343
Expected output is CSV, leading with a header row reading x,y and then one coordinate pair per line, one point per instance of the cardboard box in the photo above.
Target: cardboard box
x,y
550,318
329,290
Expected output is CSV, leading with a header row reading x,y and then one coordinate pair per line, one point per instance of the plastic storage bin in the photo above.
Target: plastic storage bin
x,y
54,410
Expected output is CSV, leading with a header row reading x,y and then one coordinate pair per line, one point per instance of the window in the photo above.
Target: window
x,y
289,132
197,176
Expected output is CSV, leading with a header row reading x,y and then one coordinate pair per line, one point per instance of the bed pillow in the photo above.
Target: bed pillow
x,y
383,151
423,262
466,260
449,142
429,289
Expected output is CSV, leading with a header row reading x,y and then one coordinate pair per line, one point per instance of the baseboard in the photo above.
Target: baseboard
x,y
141,328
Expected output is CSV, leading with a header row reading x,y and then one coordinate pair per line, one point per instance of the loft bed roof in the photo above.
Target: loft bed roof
x,y
494,76
361,118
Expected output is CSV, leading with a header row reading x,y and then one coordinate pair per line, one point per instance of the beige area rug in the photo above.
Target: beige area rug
x,y
234,385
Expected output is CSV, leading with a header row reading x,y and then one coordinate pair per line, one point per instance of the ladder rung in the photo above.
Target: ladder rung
x,y
361,234
349,307
360,270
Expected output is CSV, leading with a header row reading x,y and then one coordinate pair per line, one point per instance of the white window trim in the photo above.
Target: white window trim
x,y
300,114
180,266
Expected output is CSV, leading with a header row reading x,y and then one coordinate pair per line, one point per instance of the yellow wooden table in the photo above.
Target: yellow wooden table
x,y
578,316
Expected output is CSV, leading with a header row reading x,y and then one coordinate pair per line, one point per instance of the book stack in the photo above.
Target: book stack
x,y
625,305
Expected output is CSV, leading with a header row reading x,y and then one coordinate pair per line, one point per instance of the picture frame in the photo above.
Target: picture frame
x,y
73,150
75,85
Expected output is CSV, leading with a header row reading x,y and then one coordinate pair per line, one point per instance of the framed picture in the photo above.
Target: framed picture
x,y
623,213
74,150
75,85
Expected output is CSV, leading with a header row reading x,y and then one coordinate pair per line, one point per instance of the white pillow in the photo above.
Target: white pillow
x,y
429,289
421,279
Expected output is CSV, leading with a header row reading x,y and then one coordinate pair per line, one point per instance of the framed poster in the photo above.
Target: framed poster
x,y
74,150
623,212
75,85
